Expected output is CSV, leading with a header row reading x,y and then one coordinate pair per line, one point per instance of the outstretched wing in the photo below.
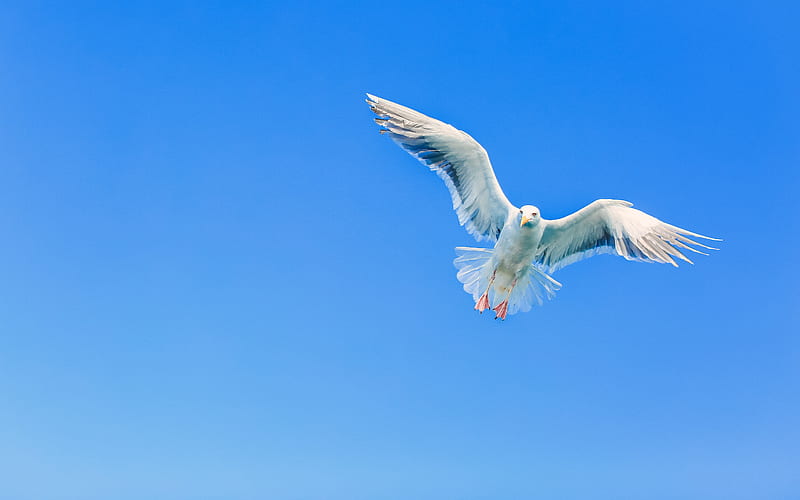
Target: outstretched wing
x,y
457,158
612,226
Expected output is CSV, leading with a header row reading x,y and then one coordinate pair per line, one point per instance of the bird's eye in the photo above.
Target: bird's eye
x,y
520,211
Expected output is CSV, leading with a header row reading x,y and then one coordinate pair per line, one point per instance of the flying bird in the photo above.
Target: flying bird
x,y
527,248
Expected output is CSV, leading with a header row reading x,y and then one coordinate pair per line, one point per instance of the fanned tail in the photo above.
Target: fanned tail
x,y
540,286
475,270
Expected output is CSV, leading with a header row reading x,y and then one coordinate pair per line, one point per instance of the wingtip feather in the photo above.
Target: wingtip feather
x,y
690,233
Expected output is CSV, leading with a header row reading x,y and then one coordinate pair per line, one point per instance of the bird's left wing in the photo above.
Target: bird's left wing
x,y
457,158
612,226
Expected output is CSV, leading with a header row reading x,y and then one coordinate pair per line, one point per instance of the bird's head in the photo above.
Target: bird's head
x,y
529,216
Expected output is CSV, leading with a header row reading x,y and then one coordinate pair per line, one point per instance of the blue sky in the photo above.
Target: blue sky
x,y
220,282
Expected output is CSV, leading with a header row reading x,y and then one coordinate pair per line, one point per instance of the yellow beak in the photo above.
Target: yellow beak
x,y
524,221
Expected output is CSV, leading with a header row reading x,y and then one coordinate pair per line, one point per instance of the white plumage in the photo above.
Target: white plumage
x,y
514,275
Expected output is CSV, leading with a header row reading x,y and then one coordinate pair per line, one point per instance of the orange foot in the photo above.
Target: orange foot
x,y
501,309
483,303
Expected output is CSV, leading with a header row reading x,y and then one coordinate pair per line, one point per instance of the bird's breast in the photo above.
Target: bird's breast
x,y
515,249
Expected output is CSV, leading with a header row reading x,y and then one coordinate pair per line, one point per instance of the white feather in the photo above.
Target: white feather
x,y
612,226
475,268
457,158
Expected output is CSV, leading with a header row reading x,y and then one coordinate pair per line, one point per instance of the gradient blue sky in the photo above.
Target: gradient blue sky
x,y
218,281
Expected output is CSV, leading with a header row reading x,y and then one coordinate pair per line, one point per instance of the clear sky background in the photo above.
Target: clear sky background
x,y
218,281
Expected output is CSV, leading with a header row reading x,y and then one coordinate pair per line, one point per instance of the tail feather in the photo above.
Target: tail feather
x,y
540,286
475,270
472,269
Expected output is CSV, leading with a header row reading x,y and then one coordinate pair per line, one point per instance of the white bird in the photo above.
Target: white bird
x,y
515,274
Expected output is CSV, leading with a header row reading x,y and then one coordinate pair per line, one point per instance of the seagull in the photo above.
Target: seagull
x,y
515,274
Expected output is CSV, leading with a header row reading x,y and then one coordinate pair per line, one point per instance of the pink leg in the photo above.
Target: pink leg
x,y
483,302
502,308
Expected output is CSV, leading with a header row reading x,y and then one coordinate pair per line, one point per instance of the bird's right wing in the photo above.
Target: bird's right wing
x,y
457,158
612,226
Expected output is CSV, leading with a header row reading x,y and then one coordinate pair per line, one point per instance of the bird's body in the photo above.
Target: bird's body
x,y
517,245
515,274
514,252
